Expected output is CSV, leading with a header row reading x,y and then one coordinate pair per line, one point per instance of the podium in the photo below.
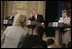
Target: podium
x,y
32,24
58,27
7,23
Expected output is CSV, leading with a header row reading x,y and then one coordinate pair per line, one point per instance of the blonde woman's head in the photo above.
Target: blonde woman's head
x,y
19,20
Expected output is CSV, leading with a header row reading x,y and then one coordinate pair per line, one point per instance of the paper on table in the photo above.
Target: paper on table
x,y
55,24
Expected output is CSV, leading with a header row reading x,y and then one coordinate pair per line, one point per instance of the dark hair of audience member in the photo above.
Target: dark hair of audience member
x,y
40,30
50,42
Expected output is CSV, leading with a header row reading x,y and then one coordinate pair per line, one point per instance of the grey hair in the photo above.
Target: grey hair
x,y
14,11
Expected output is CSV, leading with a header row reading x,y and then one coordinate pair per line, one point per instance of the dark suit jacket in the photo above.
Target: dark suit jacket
x,y
39,18
10,21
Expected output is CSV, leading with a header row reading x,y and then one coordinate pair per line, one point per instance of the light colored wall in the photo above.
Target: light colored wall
x,y
25,7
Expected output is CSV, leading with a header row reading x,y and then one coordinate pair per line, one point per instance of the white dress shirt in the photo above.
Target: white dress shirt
x,y
36,16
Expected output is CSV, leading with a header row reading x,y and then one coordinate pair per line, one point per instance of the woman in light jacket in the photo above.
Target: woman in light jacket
x,y
12,34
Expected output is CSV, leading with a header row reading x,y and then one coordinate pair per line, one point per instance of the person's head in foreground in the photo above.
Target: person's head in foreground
x,y
51,43
20,20
39,30
64,13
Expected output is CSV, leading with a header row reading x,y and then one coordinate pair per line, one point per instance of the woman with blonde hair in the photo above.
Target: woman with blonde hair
x,y
12,34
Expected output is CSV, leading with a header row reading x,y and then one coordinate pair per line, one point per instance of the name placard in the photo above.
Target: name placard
x,y
5,21
55,24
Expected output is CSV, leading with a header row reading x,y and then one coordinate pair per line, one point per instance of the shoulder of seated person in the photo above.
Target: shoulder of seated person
x,y
9,27
14,27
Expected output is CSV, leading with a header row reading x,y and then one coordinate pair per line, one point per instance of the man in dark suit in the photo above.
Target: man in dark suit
x,y
11,18
36,17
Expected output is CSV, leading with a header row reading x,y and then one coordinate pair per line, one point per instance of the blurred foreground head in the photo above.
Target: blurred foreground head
x,y
19,20
40,30
51,44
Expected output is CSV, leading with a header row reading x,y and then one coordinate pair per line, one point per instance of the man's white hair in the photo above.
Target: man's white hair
x,y
14,11
35,10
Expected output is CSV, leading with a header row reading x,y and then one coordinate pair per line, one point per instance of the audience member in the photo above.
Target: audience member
x,y
51,44
33,40
13,33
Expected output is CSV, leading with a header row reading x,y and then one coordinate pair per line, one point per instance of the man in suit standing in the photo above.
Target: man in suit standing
x,y
36,17
11,18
